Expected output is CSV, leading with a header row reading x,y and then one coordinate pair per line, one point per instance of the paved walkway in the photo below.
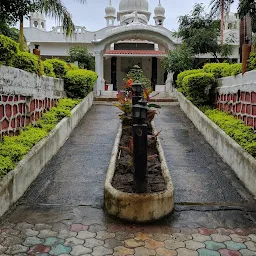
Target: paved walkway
x,y
62,212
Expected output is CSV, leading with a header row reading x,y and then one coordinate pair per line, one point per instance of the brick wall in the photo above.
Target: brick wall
x,y
24,97
237,95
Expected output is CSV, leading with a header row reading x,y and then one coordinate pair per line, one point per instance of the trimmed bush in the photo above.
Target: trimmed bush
x,y
197,87
78,83
73,67
186,73
26,61
232,70
8,49
215,68
60,67
48,69
251,63
13,149
235,128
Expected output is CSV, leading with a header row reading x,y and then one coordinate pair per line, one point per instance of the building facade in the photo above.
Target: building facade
x,y
127,40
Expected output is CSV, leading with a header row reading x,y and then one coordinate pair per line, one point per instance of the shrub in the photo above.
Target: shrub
x,y
12,149
26,61
186,73
60,67
215,68
72,67
48,69
235,128
196,87
8,49
78,83
251,63
232,70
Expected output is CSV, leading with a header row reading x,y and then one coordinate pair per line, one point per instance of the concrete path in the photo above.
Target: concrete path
x,y
62,214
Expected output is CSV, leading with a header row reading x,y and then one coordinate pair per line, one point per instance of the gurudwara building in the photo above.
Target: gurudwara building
x,y
127,40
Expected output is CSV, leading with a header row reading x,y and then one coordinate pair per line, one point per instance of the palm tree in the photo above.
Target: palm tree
x,y
218,9
52,8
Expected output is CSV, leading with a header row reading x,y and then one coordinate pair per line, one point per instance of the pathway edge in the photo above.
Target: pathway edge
x,y
241,162
17,181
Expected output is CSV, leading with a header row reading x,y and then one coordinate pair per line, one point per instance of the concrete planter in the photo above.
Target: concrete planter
x,y
242,163
16,182
138,207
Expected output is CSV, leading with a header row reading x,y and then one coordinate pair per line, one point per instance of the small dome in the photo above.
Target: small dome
x,y
159,10
133,5
110,10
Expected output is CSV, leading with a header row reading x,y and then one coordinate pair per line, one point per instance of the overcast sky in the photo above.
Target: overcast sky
x,y
91,15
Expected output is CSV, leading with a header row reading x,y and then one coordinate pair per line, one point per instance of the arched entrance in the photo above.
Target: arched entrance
x,y
103,51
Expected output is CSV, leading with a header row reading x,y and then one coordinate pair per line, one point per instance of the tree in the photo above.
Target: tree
x,y
82,56
248,7
200,32
16,10
178,60
218,9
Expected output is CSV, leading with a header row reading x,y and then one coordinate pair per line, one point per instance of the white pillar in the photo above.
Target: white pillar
x,y
99,69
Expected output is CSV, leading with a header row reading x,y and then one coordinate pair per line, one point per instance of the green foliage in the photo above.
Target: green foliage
x,y
6,165
26,61
60,67
186,73
215,68
232,70
78,83
178,60
136,74
235,128
11,32
8,49
197,87
82,56
48,69
73,67
13,149
251,63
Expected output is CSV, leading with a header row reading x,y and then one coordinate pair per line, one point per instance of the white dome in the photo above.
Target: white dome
x,y
110,10
159,10
133,5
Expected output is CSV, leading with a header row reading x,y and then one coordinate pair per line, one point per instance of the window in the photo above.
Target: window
x,y
229,25
35,24
42,24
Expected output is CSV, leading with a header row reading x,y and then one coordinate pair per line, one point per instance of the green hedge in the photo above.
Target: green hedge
x,y
251,63
186,73
235,128
215,68
13,149
60,67
26,61
48,69
73,67
78,83
8,49
232,70
197,87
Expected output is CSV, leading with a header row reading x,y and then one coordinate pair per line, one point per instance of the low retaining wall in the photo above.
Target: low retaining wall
x,y
243,164
237,95
16,182
24,97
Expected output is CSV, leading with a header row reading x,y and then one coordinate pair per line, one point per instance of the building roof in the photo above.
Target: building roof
x,y
135,52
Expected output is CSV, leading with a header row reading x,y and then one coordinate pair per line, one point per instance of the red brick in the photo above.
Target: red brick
x,y
37,103
225,97
229,97
221,97
32,106
40,104
242,96
10,98
253,97
5,124
254,110
18,121
13,123
243,108
22,97
230,107
16,98
249,121
234,109
226,107
20,108
1,111
254,123
240,117
249,109
238,107
14,109
248,97
8,110
27,120
22,123
4,98
36,116
234,97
